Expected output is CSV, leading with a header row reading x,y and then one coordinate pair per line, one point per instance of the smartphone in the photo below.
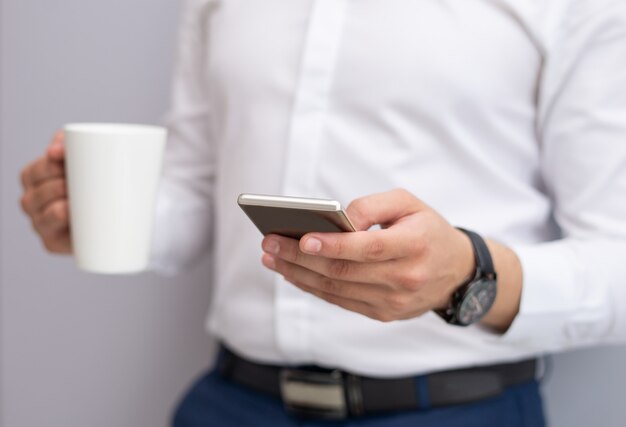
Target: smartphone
x,y
294,216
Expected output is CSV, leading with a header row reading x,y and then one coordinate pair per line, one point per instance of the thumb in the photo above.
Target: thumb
x,y
383,208
56,149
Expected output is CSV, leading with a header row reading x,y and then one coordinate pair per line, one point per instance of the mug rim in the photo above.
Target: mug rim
x,y
114,128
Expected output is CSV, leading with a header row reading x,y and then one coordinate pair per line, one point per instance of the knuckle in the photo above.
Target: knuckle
x,y
398,303
55,215
405,194
412,281
59,212
338,268
328,285
374,250
339,247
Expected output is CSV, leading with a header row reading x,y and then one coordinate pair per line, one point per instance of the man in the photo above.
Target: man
x,y
505,118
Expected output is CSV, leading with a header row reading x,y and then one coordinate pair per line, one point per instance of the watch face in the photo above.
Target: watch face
x,y
477,301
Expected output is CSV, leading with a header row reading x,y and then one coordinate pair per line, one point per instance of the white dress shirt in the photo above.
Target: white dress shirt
x,y
508,117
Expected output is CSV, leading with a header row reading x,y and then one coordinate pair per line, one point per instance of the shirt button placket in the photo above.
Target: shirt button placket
x,y
293,307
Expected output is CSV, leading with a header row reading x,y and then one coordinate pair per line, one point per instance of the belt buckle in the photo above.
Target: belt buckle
x,y
311,394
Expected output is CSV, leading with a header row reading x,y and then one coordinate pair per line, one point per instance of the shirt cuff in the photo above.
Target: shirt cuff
x,y
181,232
158,261
553,308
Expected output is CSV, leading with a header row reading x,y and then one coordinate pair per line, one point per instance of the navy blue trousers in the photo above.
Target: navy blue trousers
x,y
216,401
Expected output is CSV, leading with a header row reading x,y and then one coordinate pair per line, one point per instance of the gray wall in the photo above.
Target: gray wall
x,y
80,349
84,350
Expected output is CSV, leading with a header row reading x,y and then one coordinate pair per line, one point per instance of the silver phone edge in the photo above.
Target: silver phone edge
x,y
248,199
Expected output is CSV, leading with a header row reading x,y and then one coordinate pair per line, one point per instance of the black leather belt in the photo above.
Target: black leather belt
x,y
311,391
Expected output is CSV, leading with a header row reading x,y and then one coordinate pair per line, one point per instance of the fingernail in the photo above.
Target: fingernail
x,y
312,245
272,246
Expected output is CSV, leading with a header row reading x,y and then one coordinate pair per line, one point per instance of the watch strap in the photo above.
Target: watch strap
x,y
484,262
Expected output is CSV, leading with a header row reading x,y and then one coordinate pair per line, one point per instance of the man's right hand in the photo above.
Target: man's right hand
x,y
45,197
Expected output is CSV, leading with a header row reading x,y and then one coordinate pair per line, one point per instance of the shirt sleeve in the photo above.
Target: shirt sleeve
x,y
574,289
182,230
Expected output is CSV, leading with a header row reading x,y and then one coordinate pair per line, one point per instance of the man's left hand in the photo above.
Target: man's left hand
x,y
410,266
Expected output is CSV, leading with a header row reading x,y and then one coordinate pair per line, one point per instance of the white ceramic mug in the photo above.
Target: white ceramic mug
x,y
113,171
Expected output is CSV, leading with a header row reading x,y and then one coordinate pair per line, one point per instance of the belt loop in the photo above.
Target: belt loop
x,y
354,395
423,395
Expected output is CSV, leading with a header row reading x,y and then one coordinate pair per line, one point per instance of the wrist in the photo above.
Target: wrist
x,y
510,278
472,299
464,269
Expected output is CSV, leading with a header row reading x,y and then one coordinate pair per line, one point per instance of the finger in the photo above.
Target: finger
x,y
395,242
42,195
40,170
53,219
353,305
382,208
363,292
56,149
59,242
288,250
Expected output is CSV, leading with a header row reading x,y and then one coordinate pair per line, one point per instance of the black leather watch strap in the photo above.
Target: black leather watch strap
x,y
484,263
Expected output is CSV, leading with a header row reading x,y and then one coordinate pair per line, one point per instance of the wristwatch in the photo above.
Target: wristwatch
x,y
473,299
